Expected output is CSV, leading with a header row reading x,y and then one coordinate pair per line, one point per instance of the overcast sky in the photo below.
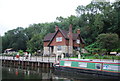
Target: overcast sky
x,y
21,13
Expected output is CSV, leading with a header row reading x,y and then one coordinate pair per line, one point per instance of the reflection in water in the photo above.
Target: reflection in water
x,y
27,73
43,73
83,76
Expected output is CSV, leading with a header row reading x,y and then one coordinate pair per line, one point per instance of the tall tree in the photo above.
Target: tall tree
x,y
15,39
108,41
36,43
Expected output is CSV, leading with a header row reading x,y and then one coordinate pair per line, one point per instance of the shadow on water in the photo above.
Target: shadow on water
x,y
45,74
84,76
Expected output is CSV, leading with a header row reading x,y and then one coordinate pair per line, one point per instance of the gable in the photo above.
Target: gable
x,y
50,39
54,41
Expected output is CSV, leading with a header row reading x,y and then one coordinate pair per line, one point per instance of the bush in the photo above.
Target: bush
x,y
21,53
118,50
106,57
96,56
86,54
115,57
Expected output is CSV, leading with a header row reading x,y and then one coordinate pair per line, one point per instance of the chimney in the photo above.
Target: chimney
x,y
70,35
56,28
70,29
78,31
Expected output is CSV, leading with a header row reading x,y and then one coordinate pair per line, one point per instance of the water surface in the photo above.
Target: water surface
x,y
49,75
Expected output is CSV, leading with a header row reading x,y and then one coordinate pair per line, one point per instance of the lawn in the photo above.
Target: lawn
x,y
96,56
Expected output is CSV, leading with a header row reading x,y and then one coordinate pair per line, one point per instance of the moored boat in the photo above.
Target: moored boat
x,y
89,66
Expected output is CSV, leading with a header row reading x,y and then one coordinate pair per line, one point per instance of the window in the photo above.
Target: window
x,y
58,39
67,63
78,41
98,66
59,48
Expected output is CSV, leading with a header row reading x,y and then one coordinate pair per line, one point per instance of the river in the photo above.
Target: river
x,y
48,74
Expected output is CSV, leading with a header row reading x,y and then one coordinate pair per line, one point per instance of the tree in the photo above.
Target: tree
x,y
15,39
36,43
108,41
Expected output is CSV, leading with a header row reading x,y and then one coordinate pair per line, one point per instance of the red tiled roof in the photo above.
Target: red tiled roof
x,y
65,33
49,36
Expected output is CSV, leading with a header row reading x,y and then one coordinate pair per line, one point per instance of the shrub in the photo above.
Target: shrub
x,y
118,50
21,53
116,57
96,56
87,54
106,57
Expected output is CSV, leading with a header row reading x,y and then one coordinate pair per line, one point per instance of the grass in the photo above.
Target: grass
x,y
89,57
100,57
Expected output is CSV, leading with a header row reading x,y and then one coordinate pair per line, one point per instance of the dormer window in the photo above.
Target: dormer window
x,y
78,41
58,39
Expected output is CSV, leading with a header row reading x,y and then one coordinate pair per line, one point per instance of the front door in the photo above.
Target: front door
x,y
52,47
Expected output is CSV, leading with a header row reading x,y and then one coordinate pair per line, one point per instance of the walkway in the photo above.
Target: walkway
x,y
52,59
33,59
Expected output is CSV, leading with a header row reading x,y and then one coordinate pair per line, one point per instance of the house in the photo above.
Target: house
x,y
62,41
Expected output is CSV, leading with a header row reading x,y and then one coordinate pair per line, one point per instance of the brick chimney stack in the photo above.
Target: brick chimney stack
x,y
70,29
78,31
70,40
56,28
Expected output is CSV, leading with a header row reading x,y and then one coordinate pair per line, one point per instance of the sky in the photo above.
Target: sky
x,y
22,13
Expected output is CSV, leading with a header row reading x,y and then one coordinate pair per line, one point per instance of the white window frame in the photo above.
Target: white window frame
x,y
58,39
78,41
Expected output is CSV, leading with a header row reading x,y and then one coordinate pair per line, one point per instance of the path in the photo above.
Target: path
x,y
52,59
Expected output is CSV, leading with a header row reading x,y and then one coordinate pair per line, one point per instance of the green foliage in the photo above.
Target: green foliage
x,y
108,41
35,43
117,57
86,54
106,57
29,51
96,56
15,39
116,50
21,53
93,45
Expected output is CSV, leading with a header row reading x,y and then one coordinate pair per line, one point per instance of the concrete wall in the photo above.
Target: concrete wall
x,y
46,51
63,50
70,50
